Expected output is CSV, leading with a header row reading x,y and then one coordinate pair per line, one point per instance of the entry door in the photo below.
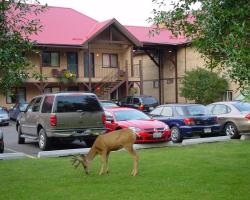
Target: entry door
x,y
86,64
72,62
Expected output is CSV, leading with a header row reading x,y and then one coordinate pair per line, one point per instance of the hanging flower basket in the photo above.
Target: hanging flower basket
x,y
67,76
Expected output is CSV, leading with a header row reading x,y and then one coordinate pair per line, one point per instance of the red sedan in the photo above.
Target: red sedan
x,y
147,129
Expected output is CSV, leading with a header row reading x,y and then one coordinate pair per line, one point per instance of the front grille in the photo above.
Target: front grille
x,y
153,130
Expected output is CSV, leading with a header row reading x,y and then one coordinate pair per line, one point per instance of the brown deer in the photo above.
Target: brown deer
x,y
104,144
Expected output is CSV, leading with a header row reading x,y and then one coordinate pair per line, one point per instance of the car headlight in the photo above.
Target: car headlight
x,y
135,129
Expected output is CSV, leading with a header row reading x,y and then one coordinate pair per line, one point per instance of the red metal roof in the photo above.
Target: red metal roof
x,y
65,26
164,37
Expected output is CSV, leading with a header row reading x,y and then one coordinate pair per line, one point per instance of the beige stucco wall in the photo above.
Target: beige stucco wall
x,y
187,59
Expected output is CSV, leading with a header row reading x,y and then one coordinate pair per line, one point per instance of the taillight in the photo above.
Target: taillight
x,y
141,107
247,116
189,121
53,120
103,118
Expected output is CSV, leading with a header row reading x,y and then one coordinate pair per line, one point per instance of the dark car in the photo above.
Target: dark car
x,y
62,116
187,120
15,110
234,117
1,142
142,103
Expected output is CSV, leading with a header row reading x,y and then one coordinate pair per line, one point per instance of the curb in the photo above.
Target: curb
x,y
10,156
59,153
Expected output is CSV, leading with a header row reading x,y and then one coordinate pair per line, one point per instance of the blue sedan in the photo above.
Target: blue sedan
x,y
187,120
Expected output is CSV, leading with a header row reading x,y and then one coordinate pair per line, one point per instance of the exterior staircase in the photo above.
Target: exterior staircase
x,y
110,83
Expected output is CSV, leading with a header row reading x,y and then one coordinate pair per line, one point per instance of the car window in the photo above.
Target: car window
x,y
70,103
136,101
156,111
124,115
197,110
30,106
220,109
47,104
210,107
37,104
128,100
167,111
149,100
242,106
180,111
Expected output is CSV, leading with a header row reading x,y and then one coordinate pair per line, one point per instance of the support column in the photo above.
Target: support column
x,y
141,77
89,70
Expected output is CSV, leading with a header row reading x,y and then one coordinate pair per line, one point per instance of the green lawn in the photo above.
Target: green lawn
x,y
206,171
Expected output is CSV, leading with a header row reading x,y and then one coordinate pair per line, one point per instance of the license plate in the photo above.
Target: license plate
x,y
157,135
207,130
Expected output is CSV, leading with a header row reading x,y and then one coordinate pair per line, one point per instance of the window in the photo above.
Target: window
x,y
167,112
156,111
136,101
156,84
37,104
50,59
220,109
49,90
228,95
70,103
16,95
109,60
47,104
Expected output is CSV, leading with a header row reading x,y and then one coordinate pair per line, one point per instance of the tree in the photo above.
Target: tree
x,y
203,86
15,28
219,29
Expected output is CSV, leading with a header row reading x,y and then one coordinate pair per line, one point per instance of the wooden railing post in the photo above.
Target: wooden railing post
x,y
141,77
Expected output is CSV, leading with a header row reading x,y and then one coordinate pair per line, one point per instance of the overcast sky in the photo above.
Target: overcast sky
x,y
127,12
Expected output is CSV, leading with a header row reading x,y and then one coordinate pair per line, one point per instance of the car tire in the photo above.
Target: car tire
x,y
20,140
43,140
231,130
2,148
176,135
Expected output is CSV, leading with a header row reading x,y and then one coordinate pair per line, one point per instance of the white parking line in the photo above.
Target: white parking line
x,y
29,156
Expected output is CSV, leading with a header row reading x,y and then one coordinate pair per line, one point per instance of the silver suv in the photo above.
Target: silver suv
x,y
64,116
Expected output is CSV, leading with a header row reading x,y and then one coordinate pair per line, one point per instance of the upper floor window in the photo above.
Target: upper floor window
x,y
109,60
50,59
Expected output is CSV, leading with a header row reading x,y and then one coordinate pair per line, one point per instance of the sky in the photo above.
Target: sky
x,y
127,12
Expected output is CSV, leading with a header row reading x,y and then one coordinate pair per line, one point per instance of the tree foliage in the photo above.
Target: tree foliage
x,y
203,86
15,28
219,29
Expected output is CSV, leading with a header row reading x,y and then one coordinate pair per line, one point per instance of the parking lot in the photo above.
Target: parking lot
x,y
30,148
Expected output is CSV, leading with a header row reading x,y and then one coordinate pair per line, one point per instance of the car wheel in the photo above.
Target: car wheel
x,y
176,134
43,140
20,140
2,148
231,130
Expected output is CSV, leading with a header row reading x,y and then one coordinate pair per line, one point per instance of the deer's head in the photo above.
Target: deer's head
x,y
81,159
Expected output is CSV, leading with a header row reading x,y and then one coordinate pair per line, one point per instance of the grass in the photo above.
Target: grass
x,y
206,171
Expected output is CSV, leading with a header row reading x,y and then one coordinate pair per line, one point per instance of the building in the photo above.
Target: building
x,y
78,53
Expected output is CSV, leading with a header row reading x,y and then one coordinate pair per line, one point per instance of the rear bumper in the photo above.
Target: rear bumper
x,y
76,133
189,131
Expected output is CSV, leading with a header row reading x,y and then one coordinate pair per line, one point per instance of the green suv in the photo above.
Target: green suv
x,y
61,116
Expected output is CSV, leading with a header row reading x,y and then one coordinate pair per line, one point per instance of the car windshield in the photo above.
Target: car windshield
x,y
124,115
242,106
23,106
3,112
197,110
149,100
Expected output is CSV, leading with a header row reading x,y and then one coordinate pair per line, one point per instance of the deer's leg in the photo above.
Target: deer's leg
x,y
104,163
131,150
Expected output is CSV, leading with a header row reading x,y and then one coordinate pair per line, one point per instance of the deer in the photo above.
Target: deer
x,y
103,145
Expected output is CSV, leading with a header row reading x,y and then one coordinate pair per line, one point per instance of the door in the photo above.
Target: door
x,y
29,118
72,62
86,64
